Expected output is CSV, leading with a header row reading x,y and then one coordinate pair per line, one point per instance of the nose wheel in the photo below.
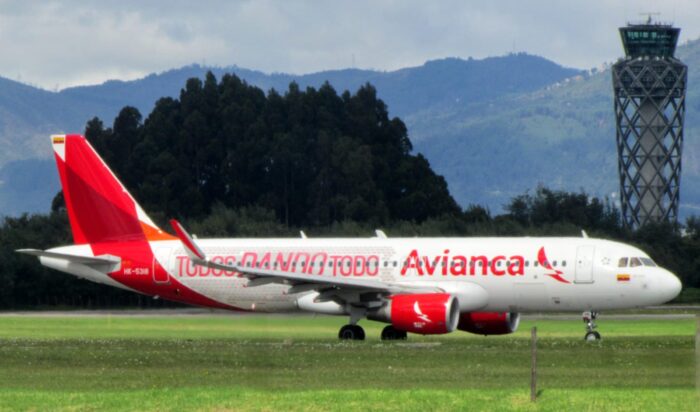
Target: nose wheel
x,y
351,332
589,319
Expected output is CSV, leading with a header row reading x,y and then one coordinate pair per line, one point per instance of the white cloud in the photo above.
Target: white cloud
x,y
62,42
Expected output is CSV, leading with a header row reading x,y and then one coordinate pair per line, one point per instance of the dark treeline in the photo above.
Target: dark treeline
x,y
313,157
230,160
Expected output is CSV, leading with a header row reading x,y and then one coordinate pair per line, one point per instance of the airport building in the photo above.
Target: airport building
x,y
649,84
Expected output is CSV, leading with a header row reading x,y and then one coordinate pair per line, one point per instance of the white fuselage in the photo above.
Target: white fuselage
x,y
580,273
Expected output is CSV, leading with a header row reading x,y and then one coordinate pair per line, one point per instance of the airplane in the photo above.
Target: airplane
x,y
419,285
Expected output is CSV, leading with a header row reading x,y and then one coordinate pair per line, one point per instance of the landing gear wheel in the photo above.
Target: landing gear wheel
x,y
351,332
592,336
391,333
589,319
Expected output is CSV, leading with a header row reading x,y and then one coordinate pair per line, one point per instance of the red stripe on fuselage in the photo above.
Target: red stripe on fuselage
x,y
138,255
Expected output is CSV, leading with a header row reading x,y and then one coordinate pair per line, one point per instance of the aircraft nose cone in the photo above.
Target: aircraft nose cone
x,y
671,285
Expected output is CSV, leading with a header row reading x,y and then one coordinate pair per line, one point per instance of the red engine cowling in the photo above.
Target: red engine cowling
x,y
489,323
427,314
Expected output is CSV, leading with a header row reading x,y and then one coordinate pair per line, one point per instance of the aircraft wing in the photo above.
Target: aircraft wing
x,y
299,281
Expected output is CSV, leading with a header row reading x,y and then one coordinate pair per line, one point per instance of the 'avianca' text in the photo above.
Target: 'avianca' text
x,y
459,265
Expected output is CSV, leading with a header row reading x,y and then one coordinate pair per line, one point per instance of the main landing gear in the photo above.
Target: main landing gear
x,y
355,332
351,332
589,319
391,333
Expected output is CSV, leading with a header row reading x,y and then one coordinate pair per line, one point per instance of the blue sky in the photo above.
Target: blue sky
x,y
60,43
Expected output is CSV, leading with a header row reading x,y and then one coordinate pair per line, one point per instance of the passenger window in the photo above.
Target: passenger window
x,y
554,263
622,263
634,262
563,263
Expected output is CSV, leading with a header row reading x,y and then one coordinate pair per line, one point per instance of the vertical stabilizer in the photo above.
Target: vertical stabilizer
x,y
99,207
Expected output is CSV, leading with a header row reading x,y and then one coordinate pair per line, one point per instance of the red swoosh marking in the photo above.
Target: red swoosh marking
x,y
542,259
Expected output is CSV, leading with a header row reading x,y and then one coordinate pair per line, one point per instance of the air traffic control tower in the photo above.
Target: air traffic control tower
x,y
649,85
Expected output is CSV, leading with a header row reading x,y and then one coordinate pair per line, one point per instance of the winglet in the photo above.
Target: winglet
x,y
380,234
190,247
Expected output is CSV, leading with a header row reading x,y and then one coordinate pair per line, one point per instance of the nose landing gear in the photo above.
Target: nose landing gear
x,y
589,319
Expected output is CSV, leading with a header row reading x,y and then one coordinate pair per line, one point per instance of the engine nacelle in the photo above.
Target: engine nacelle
x,y
427,314
489,323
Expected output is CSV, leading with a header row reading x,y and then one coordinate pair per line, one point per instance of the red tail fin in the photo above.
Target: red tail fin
x,y
99,207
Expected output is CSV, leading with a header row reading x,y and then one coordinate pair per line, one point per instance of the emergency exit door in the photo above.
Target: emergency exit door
x,y
584,264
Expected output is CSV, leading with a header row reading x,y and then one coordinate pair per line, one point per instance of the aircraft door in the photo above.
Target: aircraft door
x,y
162,256
584,264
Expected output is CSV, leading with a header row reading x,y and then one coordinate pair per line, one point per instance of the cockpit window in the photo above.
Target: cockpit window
x,y
634,262
647,261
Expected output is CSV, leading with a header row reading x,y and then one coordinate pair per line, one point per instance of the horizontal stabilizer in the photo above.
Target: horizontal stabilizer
x,y
84,260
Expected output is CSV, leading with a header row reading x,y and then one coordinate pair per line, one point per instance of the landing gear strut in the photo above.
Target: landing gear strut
x,y
351,332
391,333
589,319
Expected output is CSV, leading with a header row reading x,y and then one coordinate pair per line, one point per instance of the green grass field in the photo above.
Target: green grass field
x,y
296,363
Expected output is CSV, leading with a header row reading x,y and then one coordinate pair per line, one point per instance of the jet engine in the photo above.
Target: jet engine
x,y
489,323
427,314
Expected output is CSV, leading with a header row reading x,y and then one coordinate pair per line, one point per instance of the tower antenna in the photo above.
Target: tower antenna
x,y
648,15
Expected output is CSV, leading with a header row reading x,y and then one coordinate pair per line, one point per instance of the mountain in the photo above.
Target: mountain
x,y
562,136
494,127
28,115
437,83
